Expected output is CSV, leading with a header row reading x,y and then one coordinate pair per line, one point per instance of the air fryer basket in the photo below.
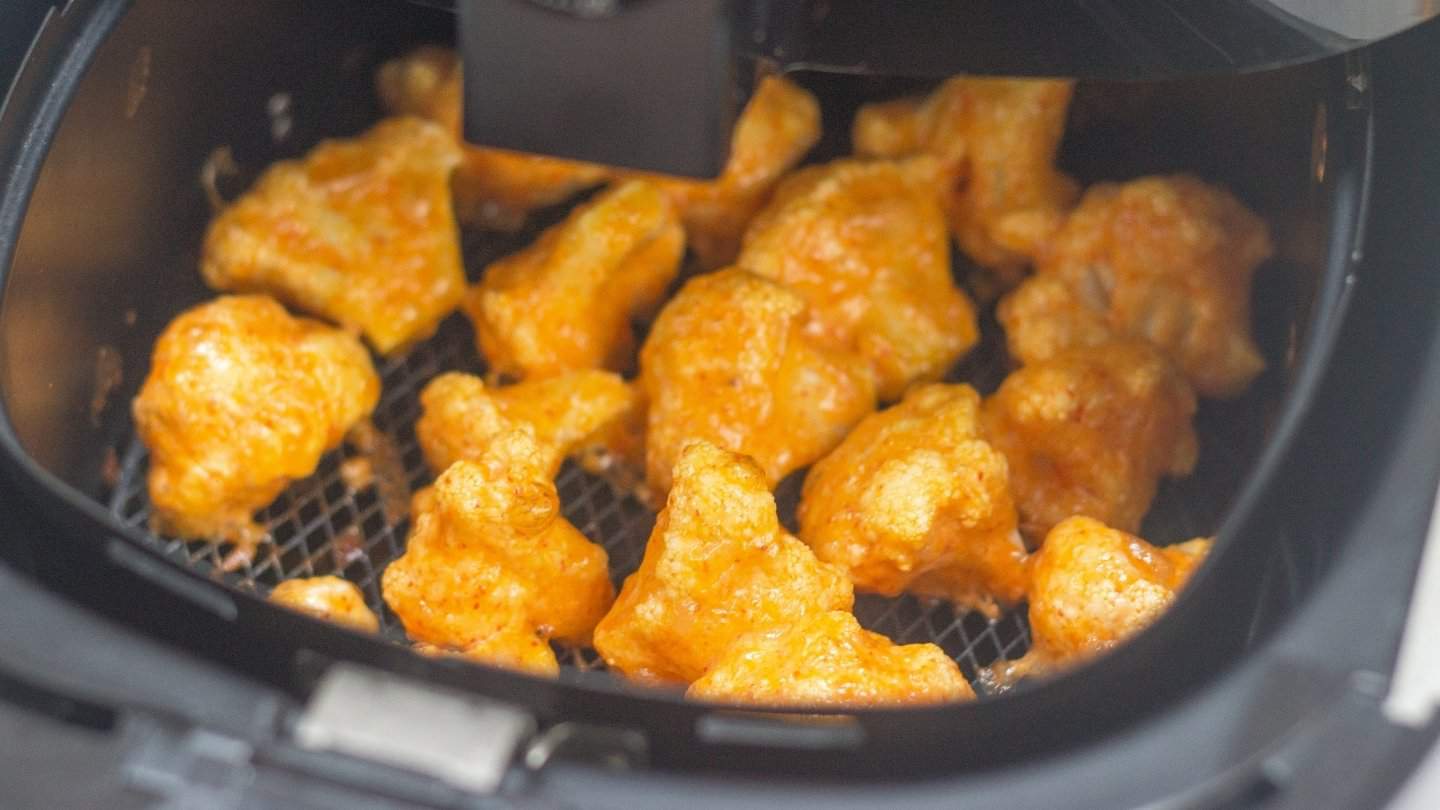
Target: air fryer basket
x,y
108,254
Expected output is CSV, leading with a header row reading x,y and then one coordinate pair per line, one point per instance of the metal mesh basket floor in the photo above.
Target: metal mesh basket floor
x,y
321,526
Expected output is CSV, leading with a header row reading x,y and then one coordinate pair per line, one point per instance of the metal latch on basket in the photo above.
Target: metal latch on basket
x,y
463,740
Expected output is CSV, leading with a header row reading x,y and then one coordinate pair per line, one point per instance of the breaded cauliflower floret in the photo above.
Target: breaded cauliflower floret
x,y
997,140
864,243
1095,586
493,188
718,565
565,302
514,645
829,660
1090,432
1166,259
360,232
489,553
914,500
460,416
240,400
731,360
331,599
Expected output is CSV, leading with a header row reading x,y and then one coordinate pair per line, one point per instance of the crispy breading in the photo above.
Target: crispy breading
x,y
489,555
864,243
565,302
329,598
360,231
731,360
829,660
570,414
915,500
1090,432
1168,259
515,645
1095,586
241,399
997,140
718,565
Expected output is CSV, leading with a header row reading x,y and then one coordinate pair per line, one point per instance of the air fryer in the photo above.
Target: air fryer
x,y
1261,687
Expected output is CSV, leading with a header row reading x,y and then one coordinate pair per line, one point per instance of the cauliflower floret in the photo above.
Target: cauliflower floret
x,y
829,660
565,302
915,500
1095,586
360,232
731,360
241,399
570,414
997,140
718,565
1090,432
331,599
864,243
1166,259
489,555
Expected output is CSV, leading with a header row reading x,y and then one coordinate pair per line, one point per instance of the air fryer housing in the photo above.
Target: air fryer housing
x,y
1253,689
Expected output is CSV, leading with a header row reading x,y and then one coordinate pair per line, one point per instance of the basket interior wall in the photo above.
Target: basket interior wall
x,y
109,254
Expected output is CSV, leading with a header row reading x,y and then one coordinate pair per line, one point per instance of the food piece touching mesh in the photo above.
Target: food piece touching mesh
x,y
242,398
1090,432
1168,259
565,302
718,565
827,659
774,132
1094,587
997,140
493,188
489,553
914,500
360,232
864,243
731,360
329,598
570,414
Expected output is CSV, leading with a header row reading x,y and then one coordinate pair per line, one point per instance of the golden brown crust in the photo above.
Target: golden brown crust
x,y
360,232
915,500
864,243
731,360
1095,586
997,140
565,302
1167,259
241,399
489,553
829,660
329,598
1090,432
718,565
513,646
571,414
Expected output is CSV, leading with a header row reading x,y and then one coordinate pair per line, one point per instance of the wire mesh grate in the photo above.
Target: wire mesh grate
x,y
321,525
